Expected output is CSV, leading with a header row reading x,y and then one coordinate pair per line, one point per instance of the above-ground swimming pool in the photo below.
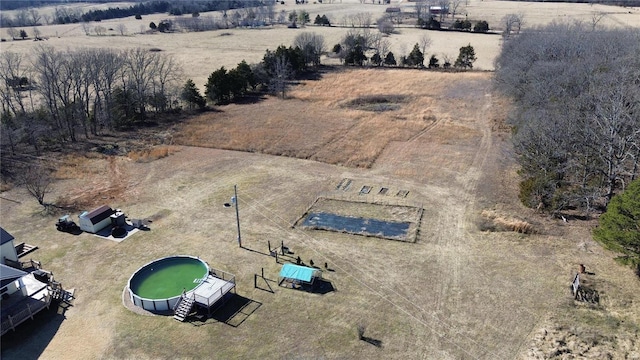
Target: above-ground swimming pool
x,y
158,285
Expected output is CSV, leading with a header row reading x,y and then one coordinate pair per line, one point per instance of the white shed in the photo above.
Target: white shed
x,y
96,219
7,248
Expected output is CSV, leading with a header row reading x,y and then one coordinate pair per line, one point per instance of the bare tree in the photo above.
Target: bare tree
x,y
54,85
596,16
13,32
512,23
100,30
282,73
5,20
425,43
122,29
34,16
13,80
37,181
361,20
22,18
166,74
385,25
282,17
47,18
444,8
36,33
107,65
381,45
312,46
422,9
454,6
86,27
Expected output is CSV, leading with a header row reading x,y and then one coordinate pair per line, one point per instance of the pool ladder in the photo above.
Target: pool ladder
x,y
183,307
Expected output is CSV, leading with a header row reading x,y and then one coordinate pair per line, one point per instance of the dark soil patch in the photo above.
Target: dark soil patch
x,y
376,103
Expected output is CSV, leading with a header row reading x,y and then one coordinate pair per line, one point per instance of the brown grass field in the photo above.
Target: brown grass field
x,y
458,292
201,53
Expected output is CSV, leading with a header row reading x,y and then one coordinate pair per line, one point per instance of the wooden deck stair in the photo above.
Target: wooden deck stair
x,y
183,308
23,249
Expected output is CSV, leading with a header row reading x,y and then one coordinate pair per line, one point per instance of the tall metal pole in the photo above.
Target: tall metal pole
x,y
235,192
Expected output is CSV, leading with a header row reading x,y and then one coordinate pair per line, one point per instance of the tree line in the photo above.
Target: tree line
x,y
362,47
59,95
576,118
272,74
65,15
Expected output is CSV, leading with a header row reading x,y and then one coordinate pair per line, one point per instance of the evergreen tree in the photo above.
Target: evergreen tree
x,y
356,56
415,58
390,60
481,26
247,78
192,96
434,62
466,57
303,17
376,59
619,228
217,87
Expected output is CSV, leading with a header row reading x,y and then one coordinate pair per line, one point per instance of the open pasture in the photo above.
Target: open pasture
x,y
203,52
457,292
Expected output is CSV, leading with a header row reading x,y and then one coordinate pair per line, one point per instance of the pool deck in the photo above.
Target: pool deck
x,y
211,290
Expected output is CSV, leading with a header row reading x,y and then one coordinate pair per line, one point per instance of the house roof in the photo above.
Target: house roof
x,y
99,214
5,237
9,275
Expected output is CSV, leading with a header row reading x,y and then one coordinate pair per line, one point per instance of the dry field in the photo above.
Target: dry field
x,y
202,53
457,293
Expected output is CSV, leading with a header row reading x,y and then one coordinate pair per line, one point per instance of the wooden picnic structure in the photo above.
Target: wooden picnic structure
x,y
298,275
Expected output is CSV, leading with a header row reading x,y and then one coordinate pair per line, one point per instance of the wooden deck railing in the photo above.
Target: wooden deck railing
x,y
22,313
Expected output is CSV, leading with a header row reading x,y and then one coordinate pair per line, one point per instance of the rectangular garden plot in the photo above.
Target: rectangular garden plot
x,y
393,222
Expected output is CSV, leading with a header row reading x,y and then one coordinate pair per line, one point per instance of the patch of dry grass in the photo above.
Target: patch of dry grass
x,y
151,154
491,221
341,135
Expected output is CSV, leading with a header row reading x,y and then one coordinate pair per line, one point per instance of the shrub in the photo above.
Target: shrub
x,y
462,25
431,23
481,26
434,62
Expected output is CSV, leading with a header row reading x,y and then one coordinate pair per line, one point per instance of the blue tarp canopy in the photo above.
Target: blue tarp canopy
x,y
297,272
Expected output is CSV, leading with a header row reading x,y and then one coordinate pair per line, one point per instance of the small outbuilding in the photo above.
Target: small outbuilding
x,y
298,275
96,220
